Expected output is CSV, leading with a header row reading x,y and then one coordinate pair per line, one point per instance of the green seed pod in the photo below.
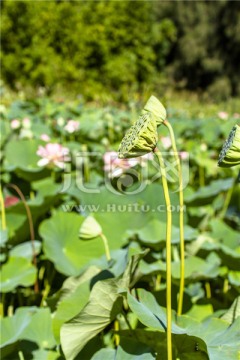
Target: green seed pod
x,y
140,139
230,153
90,229
155,107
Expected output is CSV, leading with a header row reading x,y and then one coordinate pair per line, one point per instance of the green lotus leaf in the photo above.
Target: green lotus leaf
x,y
62,245
25,250
17,271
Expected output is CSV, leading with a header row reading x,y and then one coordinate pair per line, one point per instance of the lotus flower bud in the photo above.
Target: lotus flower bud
x,y
90,229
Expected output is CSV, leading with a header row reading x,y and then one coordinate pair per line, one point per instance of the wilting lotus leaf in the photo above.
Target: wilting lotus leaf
x,y
155,107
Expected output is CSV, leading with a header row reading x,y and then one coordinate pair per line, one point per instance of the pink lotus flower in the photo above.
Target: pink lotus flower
x,y
223,115
115,166
45,137
52,154
72,126
142,160
183,155
15,124
10,201
26,123
166,141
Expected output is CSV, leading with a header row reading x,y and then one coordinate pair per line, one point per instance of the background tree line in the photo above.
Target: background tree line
x,y
120,47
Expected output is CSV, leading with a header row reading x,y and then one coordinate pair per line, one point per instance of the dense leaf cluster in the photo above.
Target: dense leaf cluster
x,y
61,298
117,47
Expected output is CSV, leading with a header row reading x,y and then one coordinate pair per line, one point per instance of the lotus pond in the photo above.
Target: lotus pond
x,y
83,237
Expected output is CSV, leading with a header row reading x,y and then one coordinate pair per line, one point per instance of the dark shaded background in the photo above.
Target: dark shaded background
x,y
122,47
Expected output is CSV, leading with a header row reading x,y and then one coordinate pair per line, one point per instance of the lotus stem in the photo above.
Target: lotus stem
x,y
208,290
168,254
4,223
116,328
181,217
226,202
31,228
201,176
105,242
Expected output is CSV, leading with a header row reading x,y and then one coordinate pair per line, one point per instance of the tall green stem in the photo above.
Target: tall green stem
x,y
181,224
105,242
4,224
168,254
226,202
31,228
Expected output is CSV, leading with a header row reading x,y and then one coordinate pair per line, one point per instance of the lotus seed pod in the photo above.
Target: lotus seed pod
x,y
230,153
140,139
155,107
90,229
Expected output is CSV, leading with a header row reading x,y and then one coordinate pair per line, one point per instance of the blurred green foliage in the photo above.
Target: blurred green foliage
x,y
97,48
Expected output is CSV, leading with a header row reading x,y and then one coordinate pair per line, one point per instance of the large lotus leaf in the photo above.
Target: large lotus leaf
x,y
103,306
91,125
132,349
229,257
46,187
222,341
14,223
5,130
74,296
17,272
204,160
113,212
125,212
13,327
224,233
62,245
120,221
28,323
183,346
39,330
195,269
42,354
155,231
3,237
106,354
26,250
210,130
200,312
150,313
233,312
207,192
234,277
21,156
134,208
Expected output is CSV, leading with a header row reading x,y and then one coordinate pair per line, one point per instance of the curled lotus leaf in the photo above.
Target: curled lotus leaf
x,y
156,108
